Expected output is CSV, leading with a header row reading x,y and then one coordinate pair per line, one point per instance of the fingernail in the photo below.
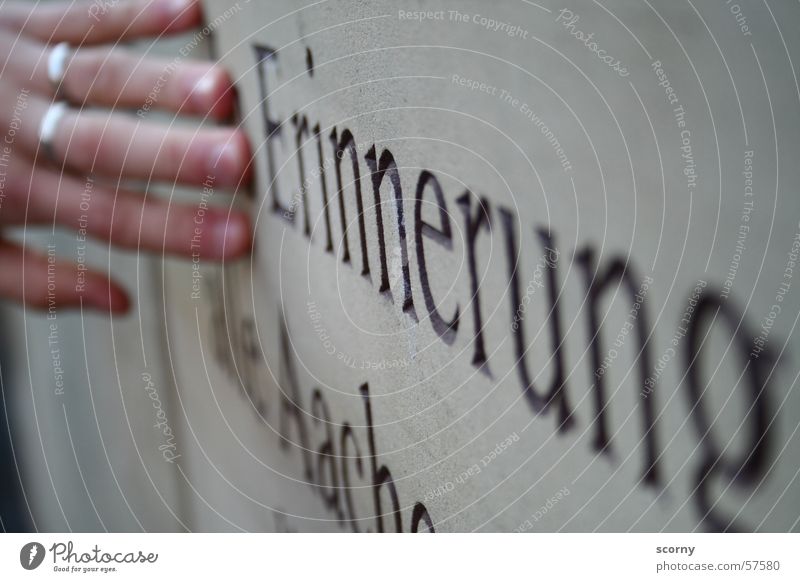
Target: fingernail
x,y
119,302
201,94
223,164
211,95
177,7
204,87
229,235
107,297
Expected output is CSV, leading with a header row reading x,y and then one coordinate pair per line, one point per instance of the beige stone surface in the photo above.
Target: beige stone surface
x,y
654,142
557,140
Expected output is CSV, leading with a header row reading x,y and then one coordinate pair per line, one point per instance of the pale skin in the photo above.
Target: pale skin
x,y
101,138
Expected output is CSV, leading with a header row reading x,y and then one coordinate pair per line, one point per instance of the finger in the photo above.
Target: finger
x,y
100,21
117,146
47,282
116,78
123,218
183,229
123,148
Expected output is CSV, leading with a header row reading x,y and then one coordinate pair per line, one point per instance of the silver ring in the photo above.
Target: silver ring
x,y
49,126
57,67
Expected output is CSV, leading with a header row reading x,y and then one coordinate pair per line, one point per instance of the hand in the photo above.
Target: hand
x,y
96,154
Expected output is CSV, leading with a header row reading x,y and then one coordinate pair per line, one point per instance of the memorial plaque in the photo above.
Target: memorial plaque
x,y
518,267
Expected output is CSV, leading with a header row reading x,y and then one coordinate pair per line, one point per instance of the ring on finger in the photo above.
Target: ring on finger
x,y
49,126
57,63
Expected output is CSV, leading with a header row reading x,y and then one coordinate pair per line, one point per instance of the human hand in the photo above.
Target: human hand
x,y
83,179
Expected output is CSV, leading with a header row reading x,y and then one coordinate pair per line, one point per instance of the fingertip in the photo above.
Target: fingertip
x,y
181,15
241,241
212,93
232,236
118,300
229,162
105,295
